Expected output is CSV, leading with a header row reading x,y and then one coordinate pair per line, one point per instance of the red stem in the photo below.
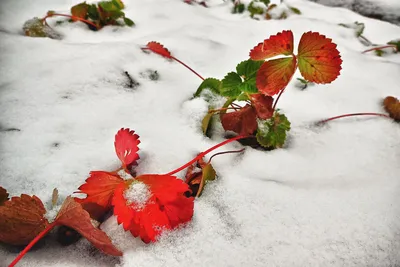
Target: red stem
x,y
32,243
225,152
202,154
279,96
72,17
189,68
380,47
355,114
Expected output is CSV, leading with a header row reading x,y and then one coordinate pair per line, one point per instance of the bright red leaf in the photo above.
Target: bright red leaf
x,y
158,49
99,188
165,207
126,146
319,60
73,215
21,219
280,44
263,105
243,121
274,75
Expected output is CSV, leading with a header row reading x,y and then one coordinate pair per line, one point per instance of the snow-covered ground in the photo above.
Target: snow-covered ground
x,y
330,198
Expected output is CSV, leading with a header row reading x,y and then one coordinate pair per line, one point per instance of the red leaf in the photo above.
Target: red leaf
x,y
319,60
392,106
274,75
3,196
263,105
243,122
198,175
158,49
126,145
166,206
74,216
99,188
21,219
280,44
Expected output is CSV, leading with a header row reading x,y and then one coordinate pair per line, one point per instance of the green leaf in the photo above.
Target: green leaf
x,y
243,97
118,3
396,43
254,9
93,12
379,52
239,8
128,22
210,83
272,133
230,85
208,174
248,68
36,28
248,87
109,6
266,2
295,10
206,124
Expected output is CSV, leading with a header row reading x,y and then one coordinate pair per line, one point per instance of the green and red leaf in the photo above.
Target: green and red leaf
x,y
279,44
274,75
126,146
263,105
80,11
243,121
99,188
158,49
197,175
318,59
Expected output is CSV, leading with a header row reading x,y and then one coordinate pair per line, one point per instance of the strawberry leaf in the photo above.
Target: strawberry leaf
x,y
198,175
319,60
21,219
99,188
272,133
80,11
159,49
262,105
392,106
396,43
126,145
3,196
248,86
280,44
274,75
206,124
248,68
212,84
166,206
230,85
74,216
128,22
243,122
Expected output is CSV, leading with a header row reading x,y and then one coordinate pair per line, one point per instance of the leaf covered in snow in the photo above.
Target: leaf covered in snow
x,y
272,132
21,219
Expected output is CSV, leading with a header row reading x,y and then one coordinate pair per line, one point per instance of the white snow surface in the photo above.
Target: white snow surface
x,y
330,197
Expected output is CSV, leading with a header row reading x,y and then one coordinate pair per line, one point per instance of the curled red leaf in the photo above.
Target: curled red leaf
x,y
263,105
158,49
243,121
126,146
21,219
165,207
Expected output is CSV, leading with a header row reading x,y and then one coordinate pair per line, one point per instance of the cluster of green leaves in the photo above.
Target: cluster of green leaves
x,y
263,8
102,14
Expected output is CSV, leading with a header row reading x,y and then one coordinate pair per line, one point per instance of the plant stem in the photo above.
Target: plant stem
x,y
225,152
277,99
189,68
220,109
202,154
379,48
354,114
32,243
72,17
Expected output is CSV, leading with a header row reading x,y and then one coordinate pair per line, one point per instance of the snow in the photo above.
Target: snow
x,y
138,193
328,198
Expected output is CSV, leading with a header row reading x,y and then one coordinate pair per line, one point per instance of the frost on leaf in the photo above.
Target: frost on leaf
x,y
280,44
198,175
158,49
392,106
166,208
21,219
36,28
137,193
263,105
3,196
272,133
99,188
319,60
274,75
74,216
126,146
243,121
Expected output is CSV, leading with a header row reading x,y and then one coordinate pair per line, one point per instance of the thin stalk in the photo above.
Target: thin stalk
x,y
380,47
277,99
354,114
32,243
72,17
189,68
225,152
220,109
202,154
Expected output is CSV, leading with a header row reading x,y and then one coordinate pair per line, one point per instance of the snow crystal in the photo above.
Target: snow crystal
x,y
138,193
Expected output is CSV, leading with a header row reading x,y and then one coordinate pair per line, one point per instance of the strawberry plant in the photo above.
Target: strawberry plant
x,y
95,16
263,9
